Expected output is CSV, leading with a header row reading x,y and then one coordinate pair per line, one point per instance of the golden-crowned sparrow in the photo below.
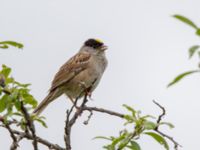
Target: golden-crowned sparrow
x,y
83,71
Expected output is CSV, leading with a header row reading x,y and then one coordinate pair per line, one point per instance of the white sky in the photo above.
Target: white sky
x,y
147,49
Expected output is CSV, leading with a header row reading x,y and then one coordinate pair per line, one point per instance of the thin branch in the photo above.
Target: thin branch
x,y
162,114
70,122
39,140
102,110
67,134
176,144
88,119
30,125
14,138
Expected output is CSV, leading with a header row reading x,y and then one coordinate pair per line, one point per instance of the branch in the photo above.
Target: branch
x,y
28,136
39,140
14,138
176,144
15,143
70,122
102,110
30,125
67,134
161,115
88,119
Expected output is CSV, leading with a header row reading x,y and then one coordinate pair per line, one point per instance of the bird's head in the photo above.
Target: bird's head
x,y
94,45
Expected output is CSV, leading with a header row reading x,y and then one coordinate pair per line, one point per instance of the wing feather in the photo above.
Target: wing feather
x,y
70,69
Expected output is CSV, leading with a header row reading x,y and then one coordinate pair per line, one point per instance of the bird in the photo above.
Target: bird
x,y
81,72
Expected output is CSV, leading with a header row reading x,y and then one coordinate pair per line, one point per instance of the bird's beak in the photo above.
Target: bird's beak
x,y
104,47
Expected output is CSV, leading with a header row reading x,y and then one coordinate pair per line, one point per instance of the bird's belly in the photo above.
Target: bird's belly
x,y
76,87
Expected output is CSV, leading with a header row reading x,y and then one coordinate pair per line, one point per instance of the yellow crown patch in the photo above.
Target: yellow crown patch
x,y
99,41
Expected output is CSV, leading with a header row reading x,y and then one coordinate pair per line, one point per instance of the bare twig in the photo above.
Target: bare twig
x,y
176,144
70,122
39,140
88,119
102,110
161,115
14,138
30,125
67,134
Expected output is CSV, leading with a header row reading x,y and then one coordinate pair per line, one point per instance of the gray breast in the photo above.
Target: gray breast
x,y
89,77
101,65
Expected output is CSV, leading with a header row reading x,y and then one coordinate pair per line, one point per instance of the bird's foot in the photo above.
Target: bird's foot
x,y
89,94
87,90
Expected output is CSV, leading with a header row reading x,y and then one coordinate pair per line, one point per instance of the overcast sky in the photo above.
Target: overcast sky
x,y
147,49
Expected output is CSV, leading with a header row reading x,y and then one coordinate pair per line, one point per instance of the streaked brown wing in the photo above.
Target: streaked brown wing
x,y
70,69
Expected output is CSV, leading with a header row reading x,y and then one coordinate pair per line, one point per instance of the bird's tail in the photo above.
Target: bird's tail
x,y
48,99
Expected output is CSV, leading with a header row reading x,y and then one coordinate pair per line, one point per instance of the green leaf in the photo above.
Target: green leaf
x,y
3,103
15,94
125,141
17,114
198,32
108,147
22,85
5,71
24,92
9,102
128,118
3,46
186,20
192,50
9,80
29,99
168,124
42,122
134,146
11,43
22,124
148,125
18,105
130,109
148,116
1,89
159,139
102,137
181,76
118,139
